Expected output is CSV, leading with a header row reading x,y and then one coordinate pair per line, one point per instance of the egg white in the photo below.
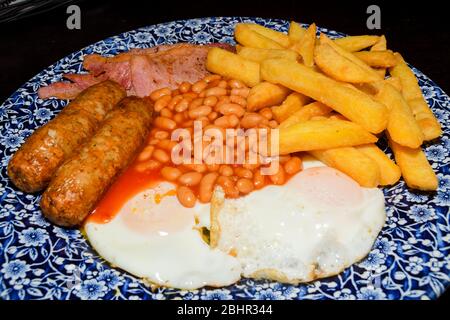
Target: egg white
x,y
174,258
276,233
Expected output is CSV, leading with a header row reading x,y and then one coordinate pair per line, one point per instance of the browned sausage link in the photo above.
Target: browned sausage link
x,y
33,165
82,180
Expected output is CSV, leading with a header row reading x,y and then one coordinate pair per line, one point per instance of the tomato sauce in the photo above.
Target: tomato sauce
x,y
130,183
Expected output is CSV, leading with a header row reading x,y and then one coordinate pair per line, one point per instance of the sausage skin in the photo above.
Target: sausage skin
x,y
33,165
82,180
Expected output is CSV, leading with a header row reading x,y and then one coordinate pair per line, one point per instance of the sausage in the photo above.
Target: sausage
x,y
33,165
83,179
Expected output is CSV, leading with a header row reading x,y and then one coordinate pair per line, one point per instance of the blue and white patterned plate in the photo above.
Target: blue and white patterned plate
x,y
410,259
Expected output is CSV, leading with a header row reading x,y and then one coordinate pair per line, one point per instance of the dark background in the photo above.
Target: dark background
x,y
419,30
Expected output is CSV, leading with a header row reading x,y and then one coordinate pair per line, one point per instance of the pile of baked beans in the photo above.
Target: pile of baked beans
x,y
218,103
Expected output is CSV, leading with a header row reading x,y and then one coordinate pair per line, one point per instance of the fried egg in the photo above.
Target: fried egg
x,y
317,224
156,238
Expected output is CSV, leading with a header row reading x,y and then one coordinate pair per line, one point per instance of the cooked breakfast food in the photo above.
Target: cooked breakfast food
x,y
81,181
260,162
33,165
327,222
138,71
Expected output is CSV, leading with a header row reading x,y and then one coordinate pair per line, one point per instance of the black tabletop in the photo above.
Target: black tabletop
x,y
418,30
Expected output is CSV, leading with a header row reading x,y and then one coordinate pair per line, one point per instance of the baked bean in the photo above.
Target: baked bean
x,y
233,120
202,94
199,86
210,101
182,105
266,113
186,197
245,185
213,167
146,153
175,100
284,158
190,179
164,123
228,186
175,92
198,112
178,118
185,87
243,173
251,120
273,124
166,113
161,155
162,102
222,122
204,120
293,166
166,144
148,165
216,91
153,141
226,170
190,96
187,124
213,116
239,100
212,77
198,167
232,108
222,84
259,180
206,187
170,173
155,95
213,84
279,177
236,84
240,92
160,134
196,103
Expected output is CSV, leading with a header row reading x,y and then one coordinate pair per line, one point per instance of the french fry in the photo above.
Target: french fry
x,y
415,168
322,134
381,72
290,105
381,44
356,43
266,94
233,66
250,38
395,82
402,126
389,171
339,67
259,55
353,163
350,57
305,47
296,32
413,94
279,37
425,118
350,102
379,59
410,87
304,113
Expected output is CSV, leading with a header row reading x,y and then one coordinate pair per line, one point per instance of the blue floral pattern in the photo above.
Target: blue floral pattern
x,y
409,260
